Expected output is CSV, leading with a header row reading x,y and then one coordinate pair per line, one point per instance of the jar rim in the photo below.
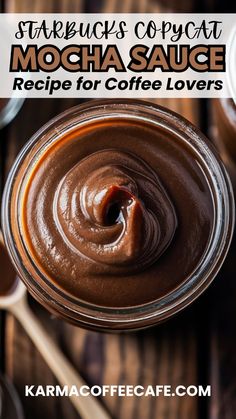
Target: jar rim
x,y
10,110
147,314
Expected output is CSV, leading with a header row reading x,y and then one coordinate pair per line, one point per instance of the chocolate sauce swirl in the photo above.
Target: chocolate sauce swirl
x,y
112,208
117,213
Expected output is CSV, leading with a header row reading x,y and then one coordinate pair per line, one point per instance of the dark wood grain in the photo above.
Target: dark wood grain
x,y
223,332
165,355
177,352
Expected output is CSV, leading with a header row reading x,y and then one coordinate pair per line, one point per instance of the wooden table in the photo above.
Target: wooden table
x,y
196,347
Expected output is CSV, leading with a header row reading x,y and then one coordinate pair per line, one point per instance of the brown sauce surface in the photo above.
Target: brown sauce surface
x,y
117,214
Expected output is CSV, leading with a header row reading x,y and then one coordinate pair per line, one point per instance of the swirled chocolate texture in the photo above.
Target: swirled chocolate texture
x,y
117,214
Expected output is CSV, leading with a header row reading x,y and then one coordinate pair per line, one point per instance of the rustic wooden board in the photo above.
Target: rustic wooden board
x,y
222,313
165,355
175,353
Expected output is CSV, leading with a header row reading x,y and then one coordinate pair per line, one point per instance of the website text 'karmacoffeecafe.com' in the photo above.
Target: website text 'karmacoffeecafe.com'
x,y
117,390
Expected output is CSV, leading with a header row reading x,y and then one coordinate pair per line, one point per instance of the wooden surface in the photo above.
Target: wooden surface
x,y
196,347
164,355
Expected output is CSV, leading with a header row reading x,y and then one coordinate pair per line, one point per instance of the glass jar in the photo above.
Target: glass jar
x,y
224,114
94,316
225,133
9,109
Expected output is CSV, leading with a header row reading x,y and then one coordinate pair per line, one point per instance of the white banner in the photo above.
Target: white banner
x,y
118,55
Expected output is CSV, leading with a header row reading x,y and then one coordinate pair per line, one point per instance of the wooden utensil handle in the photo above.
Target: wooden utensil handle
x,y
88,407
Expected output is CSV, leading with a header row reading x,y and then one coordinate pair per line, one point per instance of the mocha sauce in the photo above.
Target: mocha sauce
x,y
117,214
